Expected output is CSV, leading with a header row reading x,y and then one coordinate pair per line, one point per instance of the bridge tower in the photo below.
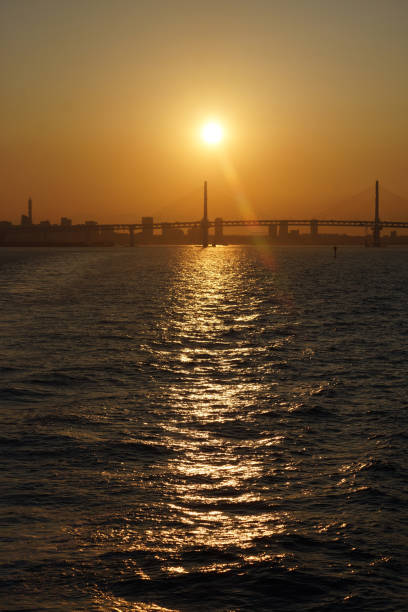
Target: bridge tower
x,y
204,222
377,225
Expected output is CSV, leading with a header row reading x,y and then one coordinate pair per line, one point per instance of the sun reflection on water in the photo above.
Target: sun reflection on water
x,y
211,508
217,463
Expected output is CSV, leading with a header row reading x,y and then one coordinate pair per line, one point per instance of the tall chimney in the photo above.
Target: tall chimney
x,y
30,211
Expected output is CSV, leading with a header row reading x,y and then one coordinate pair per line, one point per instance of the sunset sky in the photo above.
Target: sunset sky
x,y
102,103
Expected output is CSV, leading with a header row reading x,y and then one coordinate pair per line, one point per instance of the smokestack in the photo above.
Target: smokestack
x,y
30,211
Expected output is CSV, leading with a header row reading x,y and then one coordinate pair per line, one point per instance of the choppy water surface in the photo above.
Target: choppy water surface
x,y
203,430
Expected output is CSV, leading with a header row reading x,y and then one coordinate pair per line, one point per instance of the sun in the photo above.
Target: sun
x,y
212,132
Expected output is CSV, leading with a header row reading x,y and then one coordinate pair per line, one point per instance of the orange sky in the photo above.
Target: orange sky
x,y
102,104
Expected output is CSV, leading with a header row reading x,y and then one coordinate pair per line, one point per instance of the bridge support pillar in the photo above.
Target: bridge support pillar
x,y
283,229
377,235
218,231
314,227
131,236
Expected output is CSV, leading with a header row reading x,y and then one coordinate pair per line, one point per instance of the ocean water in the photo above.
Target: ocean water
x,y
219,429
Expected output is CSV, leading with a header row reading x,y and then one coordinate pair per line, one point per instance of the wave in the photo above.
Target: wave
x,y
248,587
21,394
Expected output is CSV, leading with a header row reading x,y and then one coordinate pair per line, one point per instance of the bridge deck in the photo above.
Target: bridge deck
x,y
225,223
256,223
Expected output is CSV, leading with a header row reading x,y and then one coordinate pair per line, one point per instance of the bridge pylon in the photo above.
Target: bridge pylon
x,y
204,222
377,224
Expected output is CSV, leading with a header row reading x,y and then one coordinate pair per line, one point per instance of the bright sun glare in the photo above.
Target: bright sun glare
x,y
212,132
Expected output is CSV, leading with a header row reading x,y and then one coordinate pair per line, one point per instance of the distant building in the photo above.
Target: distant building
x,y
147,228
172,234
194,234
91,235
27,220
272,230
65,222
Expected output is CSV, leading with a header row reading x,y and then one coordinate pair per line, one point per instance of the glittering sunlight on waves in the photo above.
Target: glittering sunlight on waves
x,y
203,429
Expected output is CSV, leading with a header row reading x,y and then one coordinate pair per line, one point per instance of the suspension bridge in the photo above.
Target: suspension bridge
x,y
276,227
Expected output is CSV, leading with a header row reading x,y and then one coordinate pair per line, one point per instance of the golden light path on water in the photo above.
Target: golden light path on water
x,y
226,498
213,504
215,294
